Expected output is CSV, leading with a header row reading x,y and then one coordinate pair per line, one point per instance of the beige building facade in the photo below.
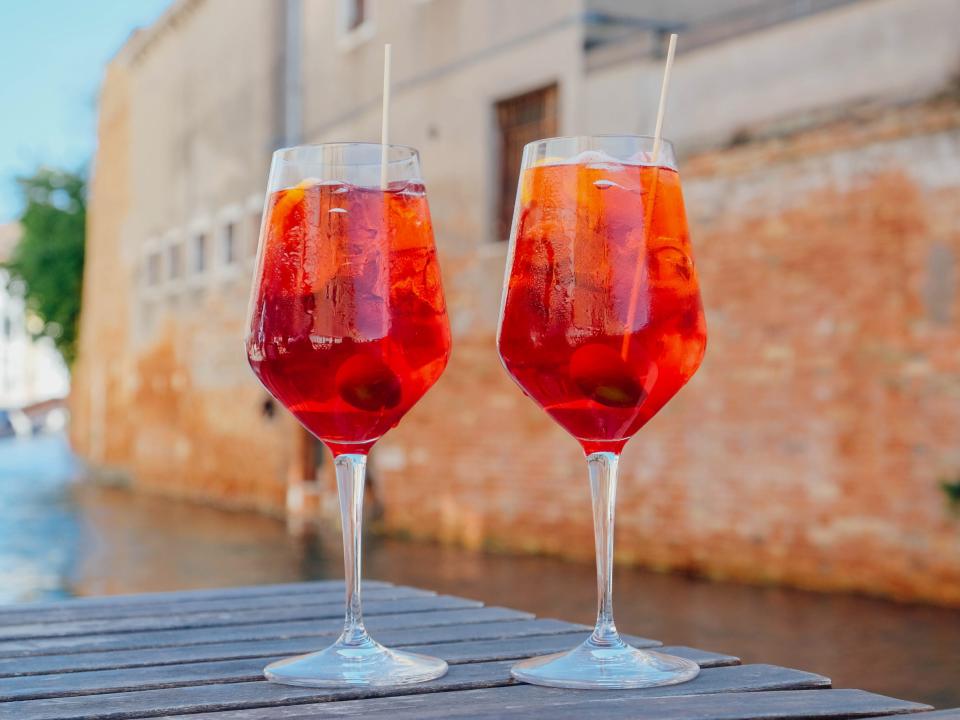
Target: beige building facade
x,y
772,106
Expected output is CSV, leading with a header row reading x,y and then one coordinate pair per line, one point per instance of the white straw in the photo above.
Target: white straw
x,y
671,49
385,127
650,200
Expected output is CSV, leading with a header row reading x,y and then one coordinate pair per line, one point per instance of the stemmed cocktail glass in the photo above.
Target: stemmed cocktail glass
x,y
601,324
348,329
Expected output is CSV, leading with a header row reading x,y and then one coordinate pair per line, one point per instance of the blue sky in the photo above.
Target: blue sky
x,y
52,55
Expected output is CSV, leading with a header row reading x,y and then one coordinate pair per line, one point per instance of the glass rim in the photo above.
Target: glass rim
x,y
604,136
408,151
644,144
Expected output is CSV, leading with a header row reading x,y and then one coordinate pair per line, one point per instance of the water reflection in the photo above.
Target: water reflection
x,y
132,542
38,524
60,538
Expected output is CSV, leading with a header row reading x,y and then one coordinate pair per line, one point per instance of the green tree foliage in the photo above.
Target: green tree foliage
x,y
48,260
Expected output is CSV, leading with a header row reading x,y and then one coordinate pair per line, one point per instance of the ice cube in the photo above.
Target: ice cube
x,y
670,264
415,279
596,159
606,166
413,188
641,157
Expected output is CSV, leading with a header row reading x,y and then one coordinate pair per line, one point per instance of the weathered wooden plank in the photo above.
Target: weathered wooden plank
x,y
703,658
794,704
251,669
195,699
945,714
203,593
115,659
262,631
527,702
173,619
70,613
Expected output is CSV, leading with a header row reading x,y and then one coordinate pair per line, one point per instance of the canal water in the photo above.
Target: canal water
x,y
60,537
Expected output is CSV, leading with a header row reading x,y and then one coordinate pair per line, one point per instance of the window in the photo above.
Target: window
x,y
229,244
520,120
256,218
175,261
153,269
354,23
356,14
200,253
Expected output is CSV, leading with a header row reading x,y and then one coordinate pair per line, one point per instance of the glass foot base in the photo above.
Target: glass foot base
x,y
593,667
368,664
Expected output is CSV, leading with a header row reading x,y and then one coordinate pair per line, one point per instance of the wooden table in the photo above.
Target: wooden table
x,y
199,655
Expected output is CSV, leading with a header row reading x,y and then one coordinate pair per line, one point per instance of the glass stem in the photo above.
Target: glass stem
x,y
603,490
351,474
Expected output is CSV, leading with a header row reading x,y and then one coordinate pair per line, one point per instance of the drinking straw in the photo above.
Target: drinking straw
x,y
385,126
661,108
651,196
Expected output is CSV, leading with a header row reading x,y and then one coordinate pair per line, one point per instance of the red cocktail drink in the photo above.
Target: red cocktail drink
x,y
601,324
349,327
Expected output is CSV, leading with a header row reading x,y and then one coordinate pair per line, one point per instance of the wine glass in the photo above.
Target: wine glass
x,y
601,324
348,329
